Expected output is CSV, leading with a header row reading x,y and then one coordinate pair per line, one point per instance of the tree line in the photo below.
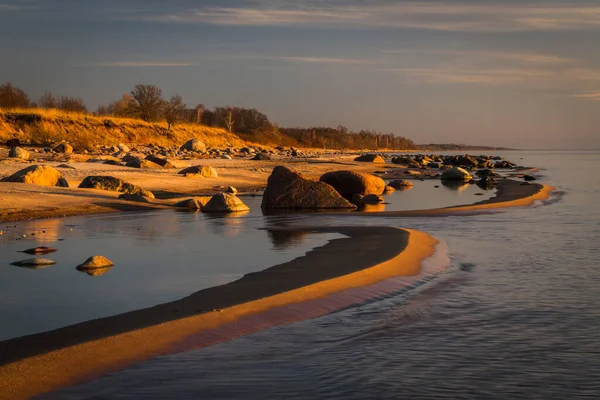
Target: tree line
x,y
146,102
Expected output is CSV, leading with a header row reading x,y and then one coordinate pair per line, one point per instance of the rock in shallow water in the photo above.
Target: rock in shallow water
x,y
224,203
95,262
40,250
34,263
348,183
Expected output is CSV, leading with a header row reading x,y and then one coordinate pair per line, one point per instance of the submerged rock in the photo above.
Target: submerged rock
x,y
34,263
224,203
288,189
401,184
348,183
40,250
191,204
38,175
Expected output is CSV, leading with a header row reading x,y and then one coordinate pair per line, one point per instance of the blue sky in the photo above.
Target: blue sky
x,y
513,72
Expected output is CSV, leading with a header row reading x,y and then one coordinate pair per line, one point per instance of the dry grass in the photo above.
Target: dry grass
x,y
86,132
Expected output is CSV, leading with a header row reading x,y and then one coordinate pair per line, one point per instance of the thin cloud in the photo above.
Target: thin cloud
x,y
137,64
323,60
593,96
433,15
491,56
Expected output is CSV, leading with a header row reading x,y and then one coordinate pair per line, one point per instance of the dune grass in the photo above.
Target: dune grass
x,y
46,127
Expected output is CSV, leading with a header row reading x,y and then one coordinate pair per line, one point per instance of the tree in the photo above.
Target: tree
x,y
13,97
119,108
74,104
199,111
48,100
148,103
174,109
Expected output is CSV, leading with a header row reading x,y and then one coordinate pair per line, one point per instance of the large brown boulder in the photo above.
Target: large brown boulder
x,y
456,174
348,183
287,189
113,184
374,158
38,175
63,148
193,145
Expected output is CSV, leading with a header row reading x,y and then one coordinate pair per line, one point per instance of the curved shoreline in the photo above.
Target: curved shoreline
x,y
509,194
43,362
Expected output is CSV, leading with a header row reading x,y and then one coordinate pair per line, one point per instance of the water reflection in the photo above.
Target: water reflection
x,y
455,185
94,271
282,239
228,225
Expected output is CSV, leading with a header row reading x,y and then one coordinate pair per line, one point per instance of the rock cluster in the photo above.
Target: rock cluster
x,y
113,184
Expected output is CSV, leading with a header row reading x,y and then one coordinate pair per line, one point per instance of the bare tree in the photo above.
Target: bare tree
x,y
174,109
122,107
48,100
74,104
148,102
13,97
229,119
200,109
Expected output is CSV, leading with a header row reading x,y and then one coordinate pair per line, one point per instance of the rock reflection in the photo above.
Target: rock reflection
x,y
227,225
284,239
373,207
94,271
455,185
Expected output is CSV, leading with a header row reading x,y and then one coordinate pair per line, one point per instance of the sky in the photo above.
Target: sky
x,y
517,73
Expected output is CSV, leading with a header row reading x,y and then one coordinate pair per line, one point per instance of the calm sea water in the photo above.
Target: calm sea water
x,y
516,315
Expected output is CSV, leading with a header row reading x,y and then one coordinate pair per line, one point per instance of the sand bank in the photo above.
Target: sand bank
x,y
39,363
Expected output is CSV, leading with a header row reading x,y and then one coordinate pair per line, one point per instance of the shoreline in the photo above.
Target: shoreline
x,y
89,349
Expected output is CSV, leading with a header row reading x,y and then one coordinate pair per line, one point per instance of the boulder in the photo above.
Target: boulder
x,y
456,174
224,203
38,175
192,204
226,157
113,184
199,171
401,184
388,189
194,145
63,148
374,158
34,263
142,164
163,162
133,197
231,190
95,262
288,189
347,183
17,152
261,157
529,178
123,148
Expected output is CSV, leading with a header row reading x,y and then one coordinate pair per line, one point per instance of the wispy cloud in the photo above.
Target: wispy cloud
x,y
434,15
532,58
593,96
137,64
321,60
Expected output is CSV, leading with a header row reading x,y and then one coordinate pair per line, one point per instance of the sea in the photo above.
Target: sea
x,y
515,313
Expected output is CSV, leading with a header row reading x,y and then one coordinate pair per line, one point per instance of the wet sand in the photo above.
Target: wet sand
x,y
39,363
